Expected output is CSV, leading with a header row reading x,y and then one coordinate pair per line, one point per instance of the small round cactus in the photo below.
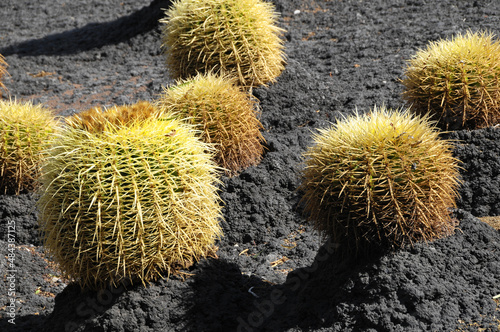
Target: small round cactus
x,y
238,37
383,179
128,202
457,81
95,119
25,130
225,116
3,72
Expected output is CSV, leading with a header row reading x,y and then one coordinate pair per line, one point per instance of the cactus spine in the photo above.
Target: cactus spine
x,y
3,72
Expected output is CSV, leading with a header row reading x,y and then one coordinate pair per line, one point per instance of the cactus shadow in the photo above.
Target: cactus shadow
x,y
308,298
75,307
224,299
312,292
221,296
93,35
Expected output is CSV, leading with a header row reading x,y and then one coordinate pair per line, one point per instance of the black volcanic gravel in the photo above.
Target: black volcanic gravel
x,y
273,272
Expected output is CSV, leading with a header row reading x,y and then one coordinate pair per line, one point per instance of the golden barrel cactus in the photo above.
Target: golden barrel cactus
x,y
238,37
382,179
224,115
456,81
25,131
128,202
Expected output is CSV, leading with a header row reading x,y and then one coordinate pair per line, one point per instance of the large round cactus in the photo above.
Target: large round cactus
x,y
224,115
239,37
25,130
457,81
383,179
129,201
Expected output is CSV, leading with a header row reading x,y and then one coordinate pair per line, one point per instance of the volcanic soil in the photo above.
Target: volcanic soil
x,y
273,272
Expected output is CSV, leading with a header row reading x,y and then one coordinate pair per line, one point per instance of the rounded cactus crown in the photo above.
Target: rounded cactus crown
x,y
381,178
238,37
25,130
457,81
96,119
224,115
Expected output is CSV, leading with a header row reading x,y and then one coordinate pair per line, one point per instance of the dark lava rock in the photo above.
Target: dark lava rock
x,y
273,272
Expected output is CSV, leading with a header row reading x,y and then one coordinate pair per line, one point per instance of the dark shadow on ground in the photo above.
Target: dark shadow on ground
x,y
216,298
413,289
226,300
222,297
388,289
93,35
309,297
74,306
